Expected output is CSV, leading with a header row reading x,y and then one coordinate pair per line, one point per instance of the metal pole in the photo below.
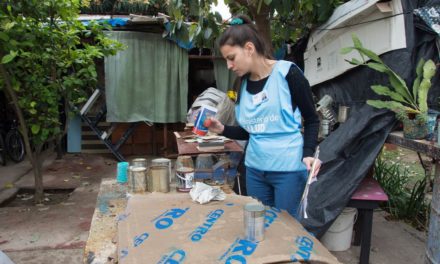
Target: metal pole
x,y
433,244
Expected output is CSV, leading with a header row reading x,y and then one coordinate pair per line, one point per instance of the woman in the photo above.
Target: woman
x,y
273,97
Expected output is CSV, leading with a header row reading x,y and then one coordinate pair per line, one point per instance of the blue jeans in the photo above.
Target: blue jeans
x,y
282,190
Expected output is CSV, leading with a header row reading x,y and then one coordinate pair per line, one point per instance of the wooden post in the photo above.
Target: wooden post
x,y
433,245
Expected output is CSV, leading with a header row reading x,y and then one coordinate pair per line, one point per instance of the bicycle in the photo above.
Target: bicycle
x,y
2,150
11,144
14,143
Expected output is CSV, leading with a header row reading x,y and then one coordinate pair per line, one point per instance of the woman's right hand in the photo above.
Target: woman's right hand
x,y
214,125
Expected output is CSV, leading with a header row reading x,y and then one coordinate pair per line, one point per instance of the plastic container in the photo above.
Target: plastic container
x,y
203,168
338,236
254,216
205,112
121,173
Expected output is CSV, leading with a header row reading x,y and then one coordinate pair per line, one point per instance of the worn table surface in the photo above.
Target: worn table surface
x,y
101,245
428,148
185,148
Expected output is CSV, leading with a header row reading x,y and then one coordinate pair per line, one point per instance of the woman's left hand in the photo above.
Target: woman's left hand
x,y
308,161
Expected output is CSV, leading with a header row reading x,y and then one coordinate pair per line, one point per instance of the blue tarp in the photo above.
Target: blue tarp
x,y
114,22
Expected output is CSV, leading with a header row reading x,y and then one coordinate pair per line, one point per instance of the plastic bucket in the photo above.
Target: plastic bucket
x,y
338,236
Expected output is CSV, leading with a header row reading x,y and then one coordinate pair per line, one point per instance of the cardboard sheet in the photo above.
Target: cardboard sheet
x,y
171,228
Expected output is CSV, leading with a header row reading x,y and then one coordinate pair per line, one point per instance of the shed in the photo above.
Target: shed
x,y
153,80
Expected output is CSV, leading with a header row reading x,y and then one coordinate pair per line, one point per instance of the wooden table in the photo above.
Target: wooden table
x,y
365,199
102,246
432,150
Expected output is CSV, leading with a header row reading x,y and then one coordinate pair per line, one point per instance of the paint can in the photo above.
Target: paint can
x,y
184,173
163,162
138,180
158,179
205,112
254,215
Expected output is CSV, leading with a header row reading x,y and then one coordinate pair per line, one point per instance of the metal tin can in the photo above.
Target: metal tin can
x,y
325,127
254,214
138,181
184,173
343,113
164,162
158,179
139,162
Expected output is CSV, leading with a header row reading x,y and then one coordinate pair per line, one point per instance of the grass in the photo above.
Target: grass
x,y
403,179
407,160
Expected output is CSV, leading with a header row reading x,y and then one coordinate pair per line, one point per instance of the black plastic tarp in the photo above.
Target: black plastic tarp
x,y
350,151
347,155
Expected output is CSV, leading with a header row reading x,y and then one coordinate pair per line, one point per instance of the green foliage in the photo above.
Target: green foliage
x,y
402,100
292,19
193,20
405,201
50,58
125,7
289,20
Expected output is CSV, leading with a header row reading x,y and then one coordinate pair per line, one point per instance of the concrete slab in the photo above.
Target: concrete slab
x,y
7,194
67,256
392,242
61,226
10,173
68,173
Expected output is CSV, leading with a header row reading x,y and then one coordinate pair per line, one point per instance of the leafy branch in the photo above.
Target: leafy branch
x,y
403,101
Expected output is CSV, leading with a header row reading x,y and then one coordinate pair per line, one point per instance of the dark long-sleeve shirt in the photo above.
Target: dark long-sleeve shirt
x,y
301,96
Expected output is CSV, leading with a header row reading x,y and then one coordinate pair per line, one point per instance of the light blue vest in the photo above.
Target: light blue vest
x,y
275,142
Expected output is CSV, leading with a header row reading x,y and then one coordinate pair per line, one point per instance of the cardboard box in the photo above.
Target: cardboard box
x,y
171,228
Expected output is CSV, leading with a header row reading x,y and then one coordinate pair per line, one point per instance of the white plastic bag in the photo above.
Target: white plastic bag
x,y
203,193
215,98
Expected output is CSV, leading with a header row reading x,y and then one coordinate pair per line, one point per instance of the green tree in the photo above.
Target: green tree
x,y
47,67
278,20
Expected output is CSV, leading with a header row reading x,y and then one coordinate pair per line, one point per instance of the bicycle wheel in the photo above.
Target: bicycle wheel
x,y
2,151
15,145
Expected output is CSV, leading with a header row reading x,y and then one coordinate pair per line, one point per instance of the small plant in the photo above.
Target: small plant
x,y
405,201
406,104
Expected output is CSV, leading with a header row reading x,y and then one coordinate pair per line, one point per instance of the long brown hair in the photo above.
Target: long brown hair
x,y
239,35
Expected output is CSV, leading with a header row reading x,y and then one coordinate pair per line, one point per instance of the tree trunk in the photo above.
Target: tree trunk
x,y
38,176
33,159
261,20
263,24
58,147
